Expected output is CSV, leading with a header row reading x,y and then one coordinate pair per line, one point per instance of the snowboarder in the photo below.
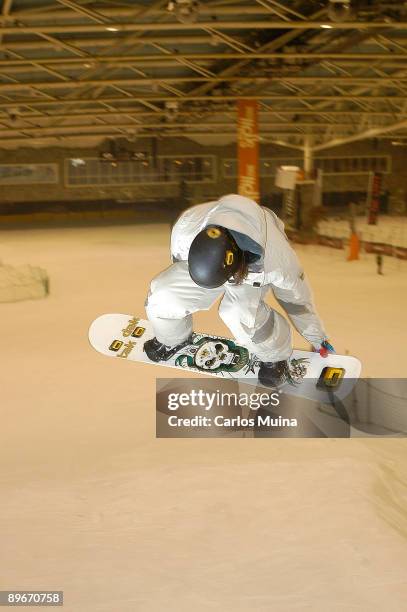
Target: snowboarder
x,y
235,248
379,264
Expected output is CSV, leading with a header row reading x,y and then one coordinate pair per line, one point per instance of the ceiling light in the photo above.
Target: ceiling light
x,y
171,109
186,11
112,29
326,26
340,10
77,161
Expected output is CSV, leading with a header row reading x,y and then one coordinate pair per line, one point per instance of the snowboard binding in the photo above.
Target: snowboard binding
x,y
157,351
275,374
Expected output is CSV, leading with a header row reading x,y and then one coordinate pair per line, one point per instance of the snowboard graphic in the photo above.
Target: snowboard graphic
x,y
122,336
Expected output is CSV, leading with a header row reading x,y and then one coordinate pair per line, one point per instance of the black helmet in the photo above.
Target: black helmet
x,y
213,257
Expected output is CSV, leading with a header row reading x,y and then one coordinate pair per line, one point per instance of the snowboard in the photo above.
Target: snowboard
x,y
122,336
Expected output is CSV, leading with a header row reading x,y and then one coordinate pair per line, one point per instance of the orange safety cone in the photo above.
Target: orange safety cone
x,y
353,247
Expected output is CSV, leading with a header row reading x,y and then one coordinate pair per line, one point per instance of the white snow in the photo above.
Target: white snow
x,y
93,504
22,283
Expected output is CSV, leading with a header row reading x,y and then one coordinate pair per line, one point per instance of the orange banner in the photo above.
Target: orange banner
x,y
248,149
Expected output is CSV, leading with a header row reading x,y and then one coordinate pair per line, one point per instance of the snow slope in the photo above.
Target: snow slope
x,y
93,504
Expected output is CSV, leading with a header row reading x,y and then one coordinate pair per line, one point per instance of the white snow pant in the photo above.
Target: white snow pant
x,y
174,297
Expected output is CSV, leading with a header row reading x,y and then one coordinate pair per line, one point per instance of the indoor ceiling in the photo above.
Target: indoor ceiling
x,y
73,72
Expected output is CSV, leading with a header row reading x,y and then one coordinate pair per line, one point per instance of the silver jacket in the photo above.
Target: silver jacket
x,y
278,266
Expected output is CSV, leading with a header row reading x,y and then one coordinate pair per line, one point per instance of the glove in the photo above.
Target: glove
x,y
324,348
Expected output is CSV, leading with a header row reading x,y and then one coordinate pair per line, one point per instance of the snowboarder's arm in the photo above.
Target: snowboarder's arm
x,y
184,231
179,247
298,303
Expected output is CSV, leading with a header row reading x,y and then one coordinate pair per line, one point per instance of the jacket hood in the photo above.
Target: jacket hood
x,y
244,218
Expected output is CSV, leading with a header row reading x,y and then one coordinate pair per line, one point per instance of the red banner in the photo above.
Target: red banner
x,y
248,149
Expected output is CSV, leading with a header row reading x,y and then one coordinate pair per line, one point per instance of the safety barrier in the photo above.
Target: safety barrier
x,y
337,242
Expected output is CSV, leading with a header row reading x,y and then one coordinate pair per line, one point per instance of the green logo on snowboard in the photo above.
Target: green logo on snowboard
x,y
215,355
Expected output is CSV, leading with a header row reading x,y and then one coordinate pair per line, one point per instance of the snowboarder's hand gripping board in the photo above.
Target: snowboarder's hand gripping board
x,y
122,336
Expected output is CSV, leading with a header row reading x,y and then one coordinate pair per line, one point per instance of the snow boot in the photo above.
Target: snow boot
x,y
273,374
157,351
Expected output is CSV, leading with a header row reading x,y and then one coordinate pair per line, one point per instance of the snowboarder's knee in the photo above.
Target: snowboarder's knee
x,y
258,334
166,304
